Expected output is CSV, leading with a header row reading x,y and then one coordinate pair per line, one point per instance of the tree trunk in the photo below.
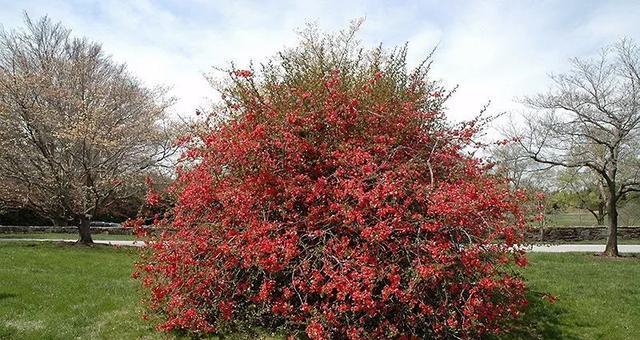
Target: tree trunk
x,y
601,214
612,240
85,230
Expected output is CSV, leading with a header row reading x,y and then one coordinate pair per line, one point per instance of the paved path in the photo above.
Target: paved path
x,y
584,248
558,248
107,242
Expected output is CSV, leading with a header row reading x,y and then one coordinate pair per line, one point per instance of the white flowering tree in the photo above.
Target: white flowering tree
x,y
77,130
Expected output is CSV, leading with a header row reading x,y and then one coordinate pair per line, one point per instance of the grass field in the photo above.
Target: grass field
x,y
629,215
570,218
52,291
598,298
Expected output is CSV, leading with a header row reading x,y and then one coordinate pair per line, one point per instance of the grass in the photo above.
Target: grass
x,y
65,236
570,219
53,291
598,298
629,214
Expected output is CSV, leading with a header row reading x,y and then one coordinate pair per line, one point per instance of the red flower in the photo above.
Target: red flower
x,y
226,309
315,330
243,73
357,214
153,198
522,260
550,297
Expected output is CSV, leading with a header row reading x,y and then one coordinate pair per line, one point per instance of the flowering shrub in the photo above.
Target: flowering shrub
x,y
334,200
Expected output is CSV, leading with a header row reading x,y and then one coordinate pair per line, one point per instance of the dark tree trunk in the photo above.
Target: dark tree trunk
x,y
612,241
84,230
600,219
599,214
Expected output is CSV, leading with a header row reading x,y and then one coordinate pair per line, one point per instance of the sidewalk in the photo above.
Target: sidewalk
x,y
583,248
107,242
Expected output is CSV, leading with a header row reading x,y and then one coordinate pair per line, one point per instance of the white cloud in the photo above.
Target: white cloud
x,y
494,50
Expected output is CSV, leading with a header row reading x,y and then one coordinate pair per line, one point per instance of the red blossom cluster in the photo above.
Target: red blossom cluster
x,y
340,211
242,73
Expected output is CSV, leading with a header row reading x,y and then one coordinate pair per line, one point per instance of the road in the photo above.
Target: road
x,y
582,248
107,242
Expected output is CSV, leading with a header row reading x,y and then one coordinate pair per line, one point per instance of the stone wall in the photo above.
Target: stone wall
x,y
567,234
69,230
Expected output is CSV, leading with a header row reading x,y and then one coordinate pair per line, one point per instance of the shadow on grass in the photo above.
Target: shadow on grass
x,y
6,295
6,333
540,320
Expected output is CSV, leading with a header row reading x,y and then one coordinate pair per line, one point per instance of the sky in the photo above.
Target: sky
x,y
494,51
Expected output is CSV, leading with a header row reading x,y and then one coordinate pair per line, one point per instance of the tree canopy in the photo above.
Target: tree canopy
x,y
77,128
590,119
333,198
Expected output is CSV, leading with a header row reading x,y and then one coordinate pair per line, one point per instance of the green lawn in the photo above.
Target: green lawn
x,y
570,219
52,291
65,236
629,215
598,298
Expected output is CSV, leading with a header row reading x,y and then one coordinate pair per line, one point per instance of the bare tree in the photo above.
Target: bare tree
x,y
586,190
590,119
523,172
77,130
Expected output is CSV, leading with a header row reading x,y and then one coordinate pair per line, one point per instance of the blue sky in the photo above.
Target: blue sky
x,y
495,50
